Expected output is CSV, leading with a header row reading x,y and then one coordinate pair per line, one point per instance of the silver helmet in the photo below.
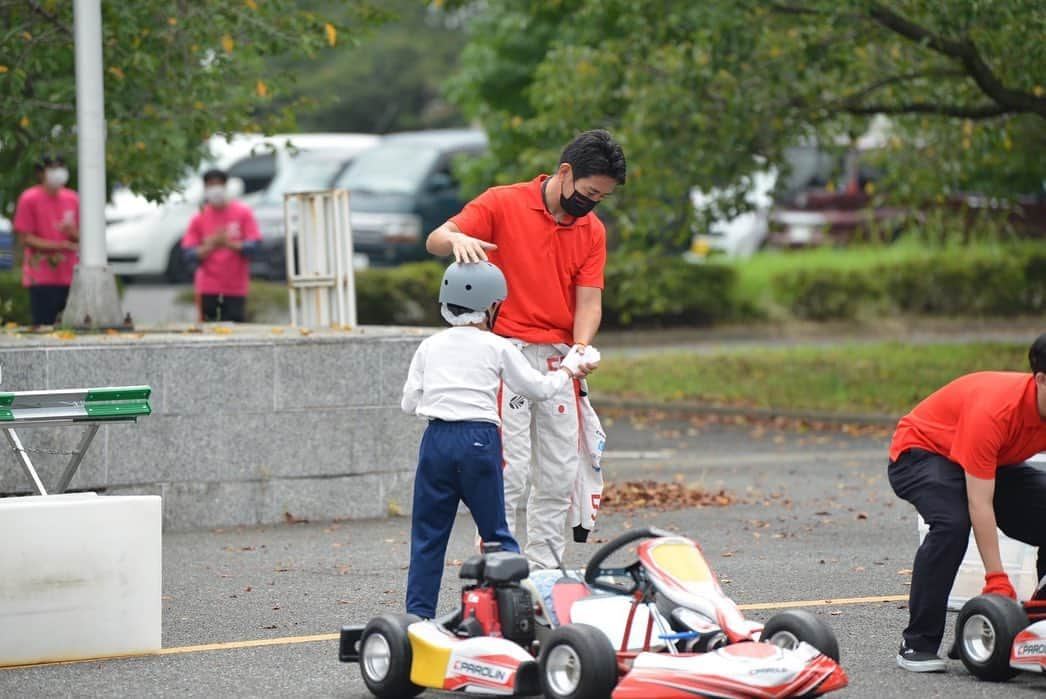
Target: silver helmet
x,y
473,285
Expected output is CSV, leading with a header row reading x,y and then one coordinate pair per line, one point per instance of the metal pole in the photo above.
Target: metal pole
x,y
90,129
93,301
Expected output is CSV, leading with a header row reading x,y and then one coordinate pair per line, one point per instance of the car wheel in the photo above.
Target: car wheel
x,y
790,628
984,634
385,657
177,271
578,662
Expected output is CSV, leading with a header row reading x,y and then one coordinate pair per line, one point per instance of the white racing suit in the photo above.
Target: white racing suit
x,y
588,486
541,447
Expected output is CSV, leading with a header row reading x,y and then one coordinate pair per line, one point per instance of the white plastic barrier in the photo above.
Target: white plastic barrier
x,y
81,577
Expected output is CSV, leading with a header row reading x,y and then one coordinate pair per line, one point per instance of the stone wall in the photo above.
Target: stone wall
x,y
249,426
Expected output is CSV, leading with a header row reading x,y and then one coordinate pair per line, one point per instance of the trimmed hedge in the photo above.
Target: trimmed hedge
x,y
659,290
664,291
1008,280
14,299
403,295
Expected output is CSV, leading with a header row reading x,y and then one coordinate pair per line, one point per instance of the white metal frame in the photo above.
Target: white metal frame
x,y
321,281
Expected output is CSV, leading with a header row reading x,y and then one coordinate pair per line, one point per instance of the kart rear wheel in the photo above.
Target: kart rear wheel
x,y
984,634
787,629
385,657
578,662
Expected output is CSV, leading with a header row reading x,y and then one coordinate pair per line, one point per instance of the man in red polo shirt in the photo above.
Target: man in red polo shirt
x,y
219,240
552,249
47,221
958,457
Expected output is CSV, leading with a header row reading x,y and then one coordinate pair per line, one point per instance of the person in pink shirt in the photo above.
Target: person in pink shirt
x,y
218,242
47,222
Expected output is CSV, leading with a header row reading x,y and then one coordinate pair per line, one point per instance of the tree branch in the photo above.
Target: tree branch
x,y
984,111
967,54
53,19
904,77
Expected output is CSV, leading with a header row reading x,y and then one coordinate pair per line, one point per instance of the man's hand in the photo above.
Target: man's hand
x,y
589,357
581,360
70,245
998,583
467,249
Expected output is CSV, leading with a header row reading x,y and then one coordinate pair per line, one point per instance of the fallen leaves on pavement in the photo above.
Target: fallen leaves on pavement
x,y
627,496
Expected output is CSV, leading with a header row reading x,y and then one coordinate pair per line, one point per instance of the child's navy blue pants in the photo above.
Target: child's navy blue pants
x,y
458,461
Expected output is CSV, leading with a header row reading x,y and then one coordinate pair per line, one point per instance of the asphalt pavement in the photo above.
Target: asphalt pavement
x,y
252,612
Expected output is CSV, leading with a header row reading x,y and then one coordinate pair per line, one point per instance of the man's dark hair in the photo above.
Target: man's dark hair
x,y
215,174
48,160
1037,355
595,153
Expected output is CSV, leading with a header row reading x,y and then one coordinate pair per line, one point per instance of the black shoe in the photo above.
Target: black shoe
x,y
919,661
953,652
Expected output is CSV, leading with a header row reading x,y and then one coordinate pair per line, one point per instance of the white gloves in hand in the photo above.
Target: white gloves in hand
x,y
578,355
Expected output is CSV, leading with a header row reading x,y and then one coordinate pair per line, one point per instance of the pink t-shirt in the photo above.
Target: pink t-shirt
x,y
39,212
224,271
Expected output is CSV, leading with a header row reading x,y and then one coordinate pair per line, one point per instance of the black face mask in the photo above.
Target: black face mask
x,y
577,204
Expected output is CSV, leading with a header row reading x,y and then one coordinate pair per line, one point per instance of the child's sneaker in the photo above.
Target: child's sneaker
x,y
919,661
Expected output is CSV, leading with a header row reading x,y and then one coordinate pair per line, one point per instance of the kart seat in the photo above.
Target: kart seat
x,y
504,567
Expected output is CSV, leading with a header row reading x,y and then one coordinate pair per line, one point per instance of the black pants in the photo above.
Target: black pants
x,y
937,488
224,307
46,301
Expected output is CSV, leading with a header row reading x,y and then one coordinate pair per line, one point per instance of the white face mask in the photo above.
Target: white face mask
x,y
215,194
56,177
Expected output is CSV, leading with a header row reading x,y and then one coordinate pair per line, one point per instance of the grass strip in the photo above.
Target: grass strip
x,y
886,378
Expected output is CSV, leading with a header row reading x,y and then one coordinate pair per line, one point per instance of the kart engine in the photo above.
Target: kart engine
x,y
497,605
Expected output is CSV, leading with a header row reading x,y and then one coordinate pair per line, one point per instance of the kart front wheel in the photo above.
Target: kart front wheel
x,y
984,634
578,662
789,628
385,657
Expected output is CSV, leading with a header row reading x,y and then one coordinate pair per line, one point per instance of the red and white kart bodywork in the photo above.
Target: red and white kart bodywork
x,y
996,637
1029,649
660,627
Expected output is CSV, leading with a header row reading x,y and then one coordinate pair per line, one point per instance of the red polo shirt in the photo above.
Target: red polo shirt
x,y
543,261
980,421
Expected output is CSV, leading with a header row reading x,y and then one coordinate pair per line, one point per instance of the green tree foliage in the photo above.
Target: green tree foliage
x,y
176,71
389,81
706,93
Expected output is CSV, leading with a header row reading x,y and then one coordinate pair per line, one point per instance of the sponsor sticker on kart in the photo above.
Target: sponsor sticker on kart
x,y
481,671
1029,649
477,673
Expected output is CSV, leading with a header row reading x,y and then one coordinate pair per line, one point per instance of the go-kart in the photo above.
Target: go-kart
x,y
658,627
997,637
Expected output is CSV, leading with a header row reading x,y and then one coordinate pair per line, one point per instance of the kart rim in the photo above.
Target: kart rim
x,y
785,639
376,657
563,670
978,638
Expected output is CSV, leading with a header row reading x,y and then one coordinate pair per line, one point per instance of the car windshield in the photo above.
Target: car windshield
x,y
306,172
394,168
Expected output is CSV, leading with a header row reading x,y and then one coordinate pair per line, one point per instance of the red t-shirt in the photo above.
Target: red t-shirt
x,y
980,421
40,212
224,271
543,261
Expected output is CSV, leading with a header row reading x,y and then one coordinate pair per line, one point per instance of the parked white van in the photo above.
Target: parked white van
x,y
150,245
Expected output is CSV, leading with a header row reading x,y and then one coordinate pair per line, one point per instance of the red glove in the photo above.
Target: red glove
x,y
998,583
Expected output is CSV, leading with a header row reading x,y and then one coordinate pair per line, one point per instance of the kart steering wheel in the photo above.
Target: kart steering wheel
x,y
594,570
